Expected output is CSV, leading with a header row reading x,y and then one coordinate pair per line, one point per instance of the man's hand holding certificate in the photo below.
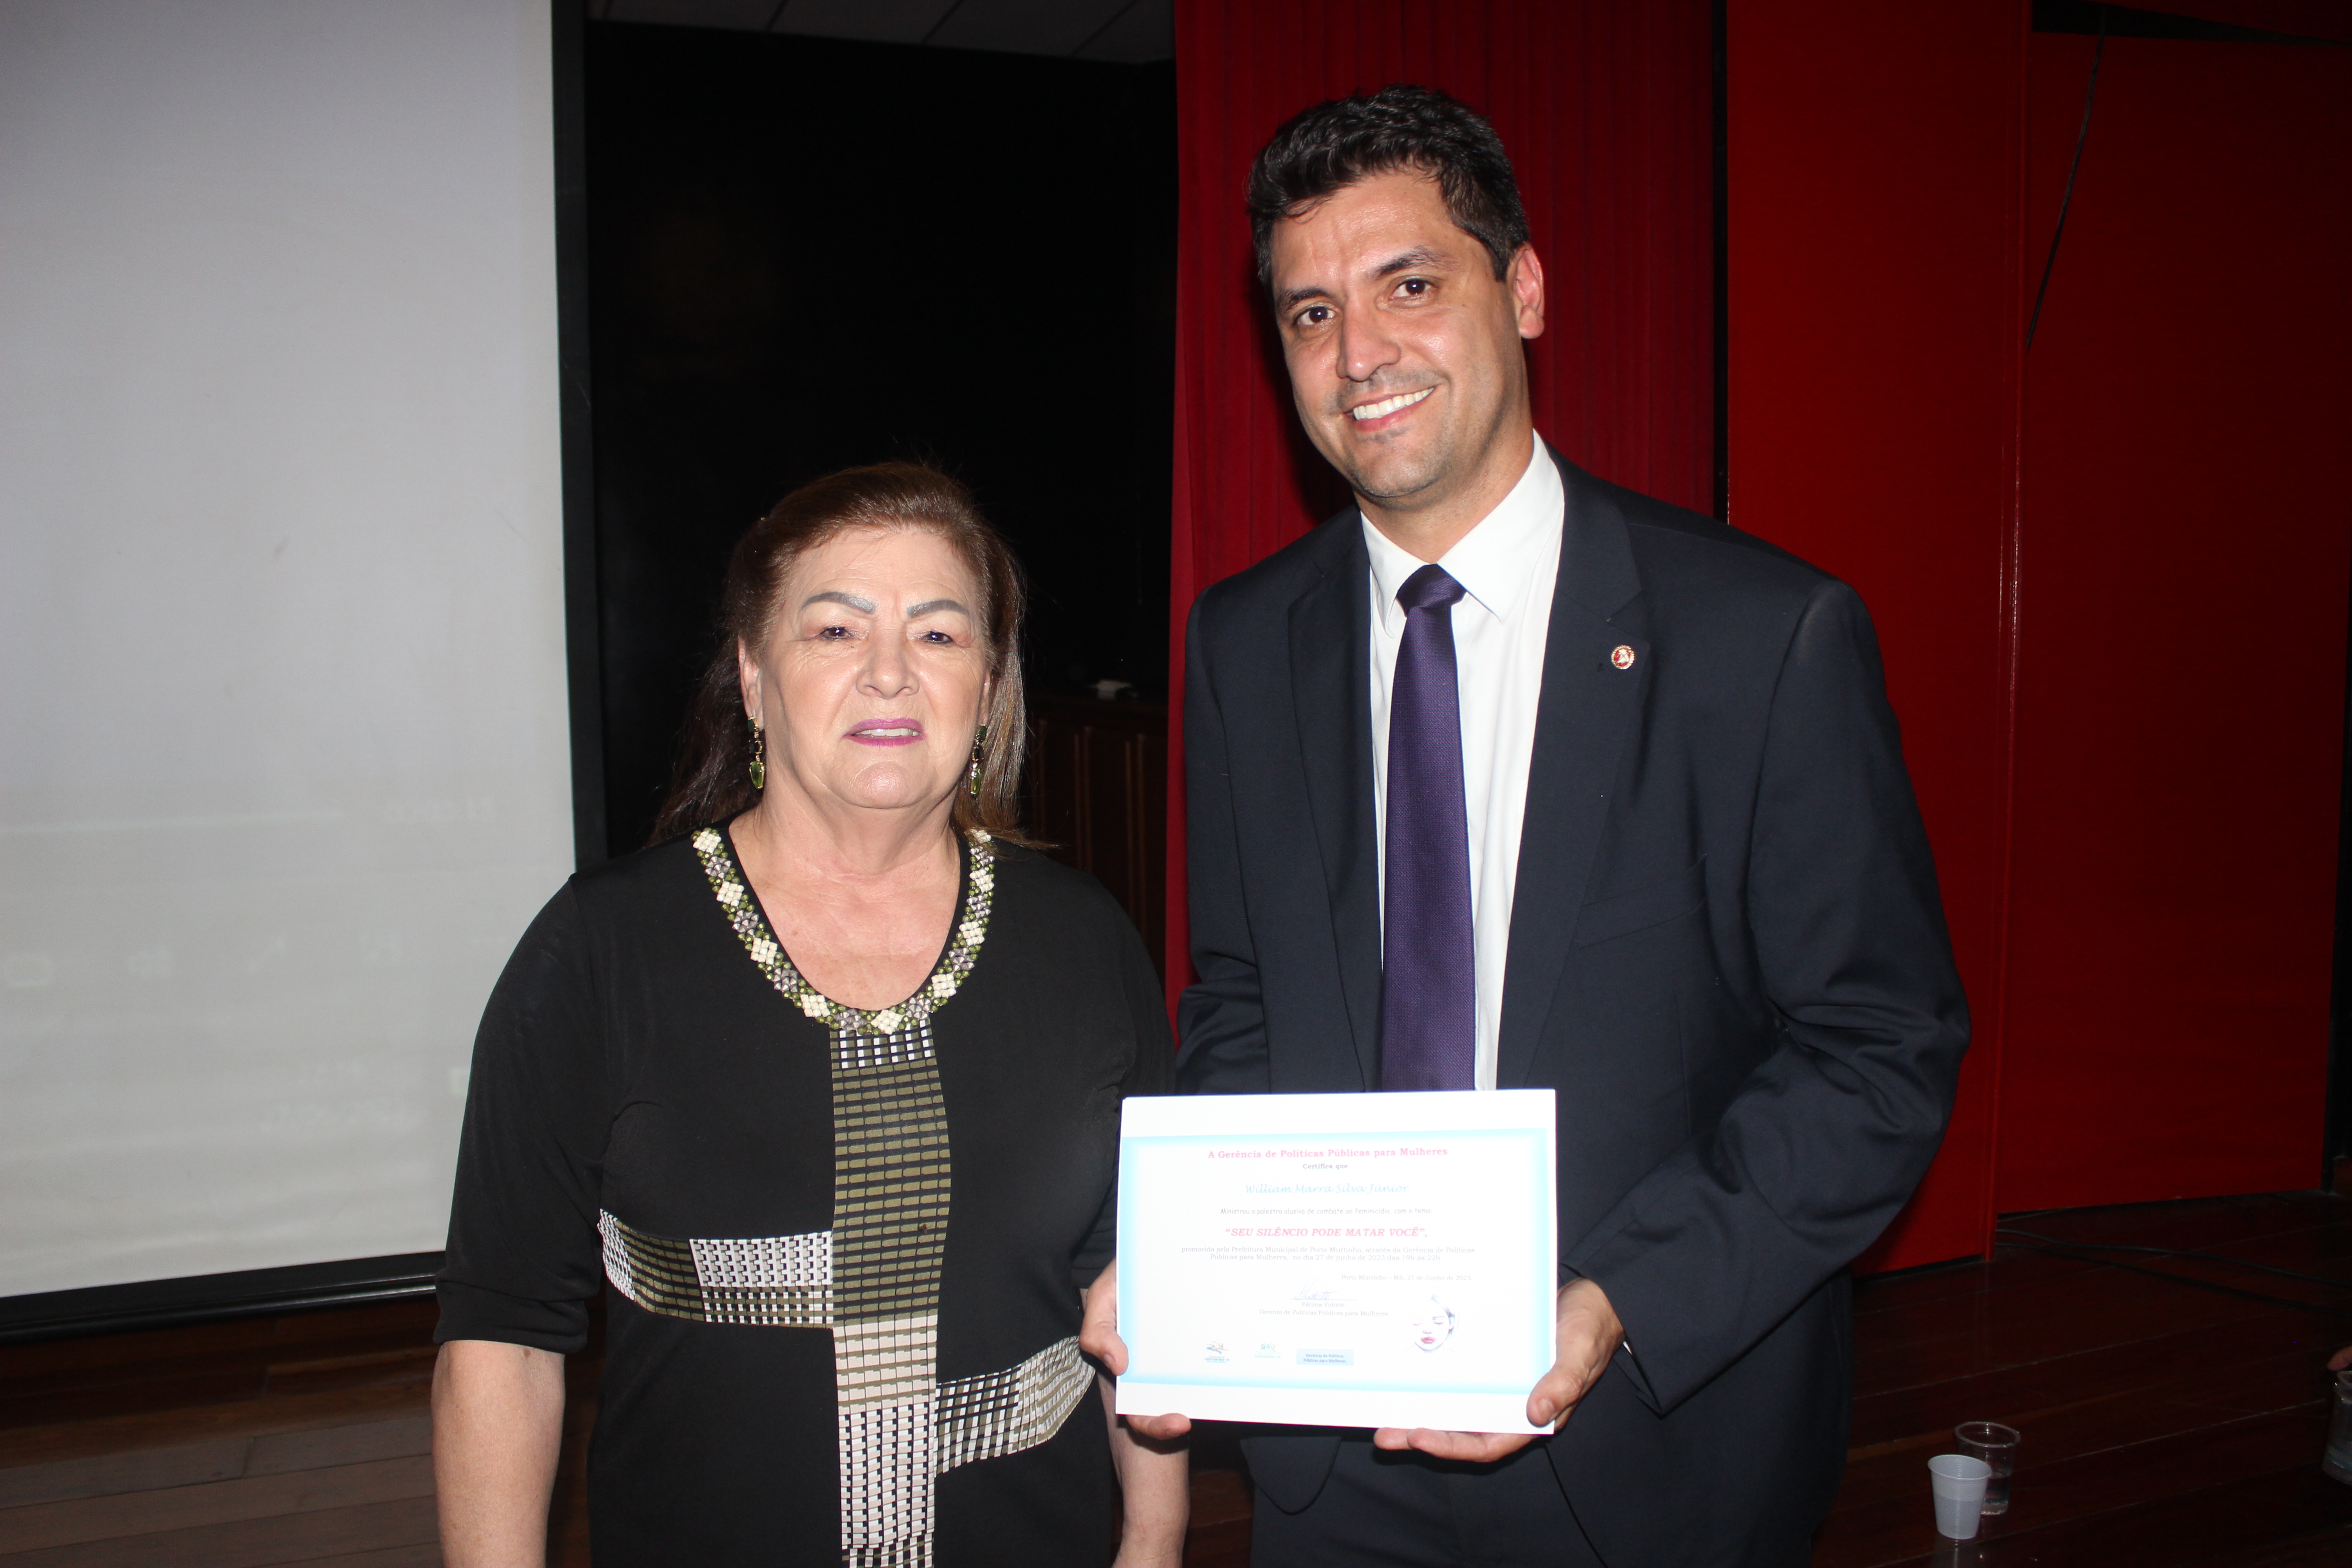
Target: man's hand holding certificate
x,y
1362,1260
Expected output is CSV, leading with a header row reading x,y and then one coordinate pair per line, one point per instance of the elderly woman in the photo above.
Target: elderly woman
x,y
823,1088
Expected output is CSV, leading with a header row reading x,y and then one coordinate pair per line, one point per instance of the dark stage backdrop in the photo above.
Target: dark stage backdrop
x,y
2330,19
2110,575
1606,108
806,254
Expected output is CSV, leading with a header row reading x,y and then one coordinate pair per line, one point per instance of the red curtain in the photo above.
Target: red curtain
x,y
1872,407
1605,107
2108,577
2179,719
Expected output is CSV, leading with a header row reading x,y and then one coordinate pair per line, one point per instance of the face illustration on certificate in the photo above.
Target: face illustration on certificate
x,y
1330,1272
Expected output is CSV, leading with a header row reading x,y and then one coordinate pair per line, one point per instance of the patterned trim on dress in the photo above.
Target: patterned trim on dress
x,y
898,1428
780,1282
890,1191
734,895
889,1360
1004,1412
890,1178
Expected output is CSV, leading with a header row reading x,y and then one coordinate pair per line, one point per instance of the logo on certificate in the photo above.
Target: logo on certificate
x,y
1216,1352
1432,1325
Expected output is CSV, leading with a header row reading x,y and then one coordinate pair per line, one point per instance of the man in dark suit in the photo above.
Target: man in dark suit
x,y
1508,777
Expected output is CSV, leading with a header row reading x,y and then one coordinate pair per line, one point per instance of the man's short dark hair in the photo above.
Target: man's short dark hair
x,y
1336,143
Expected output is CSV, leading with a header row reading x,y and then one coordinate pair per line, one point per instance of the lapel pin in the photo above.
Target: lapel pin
x,y
1622,656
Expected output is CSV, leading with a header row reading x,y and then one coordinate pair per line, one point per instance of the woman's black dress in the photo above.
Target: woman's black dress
x,y
844,1249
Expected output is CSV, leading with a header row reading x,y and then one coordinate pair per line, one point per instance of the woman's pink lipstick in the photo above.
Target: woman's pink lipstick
x,y
887,731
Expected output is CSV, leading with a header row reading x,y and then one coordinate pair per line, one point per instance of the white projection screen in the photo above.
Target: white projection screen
x,y
283,739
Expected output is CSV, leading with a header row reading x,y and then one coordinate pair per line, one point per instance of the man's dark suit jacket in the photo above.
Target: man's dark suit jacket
x,y
1727,955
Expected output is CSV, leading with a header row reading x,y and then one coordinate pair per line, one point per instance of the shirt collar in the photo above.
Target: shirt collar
x,y
1491,560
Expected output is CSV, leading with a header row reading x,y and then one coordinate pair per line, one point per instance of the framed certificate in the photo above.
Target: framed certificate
x,y
1338,1259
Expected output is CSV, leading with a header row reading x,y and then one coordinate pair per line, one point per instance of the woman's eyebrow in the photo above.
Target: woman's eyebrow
x,y
863,606
928,605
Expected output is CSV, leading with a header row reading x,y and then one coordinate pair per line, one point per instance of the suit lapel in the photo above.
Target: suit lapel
x,y
1330,672
1587,708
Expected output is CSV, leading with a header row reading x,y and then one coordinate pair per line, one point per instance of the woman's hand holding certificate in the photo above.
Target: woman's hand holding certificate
x,y
1381,1260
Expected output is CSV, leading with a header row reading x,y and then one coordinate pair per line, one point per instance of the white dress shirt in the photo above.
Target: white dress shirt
x,y
1506,565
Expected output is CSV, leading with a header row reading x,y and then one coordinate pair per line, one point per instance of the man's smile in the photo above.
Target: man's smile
x,y
1364,413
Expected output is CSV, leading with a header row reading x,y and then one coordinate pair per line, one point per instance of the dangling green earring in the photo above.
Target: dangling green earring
x,y
758,757
978,739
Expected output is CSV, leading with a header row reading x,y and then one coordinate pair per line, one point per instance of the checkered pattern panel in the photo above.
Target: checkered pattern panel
x,y
890,1201
888,1464
1004,1412
890,1186
858,1053
768,1262
885,1361
777,1281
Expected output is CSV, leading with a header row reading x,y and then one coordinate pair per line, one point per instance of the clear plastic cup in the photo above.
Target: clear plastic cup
x,y
1996,1444
1959,1486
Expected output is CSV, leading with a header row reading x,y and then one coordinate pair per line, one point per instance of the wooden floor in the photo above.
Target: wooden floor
x,y
2164,1423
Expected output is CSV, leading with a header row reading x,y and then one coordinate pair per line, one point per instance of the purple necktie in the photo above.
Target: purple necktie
x,y
1428,1009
